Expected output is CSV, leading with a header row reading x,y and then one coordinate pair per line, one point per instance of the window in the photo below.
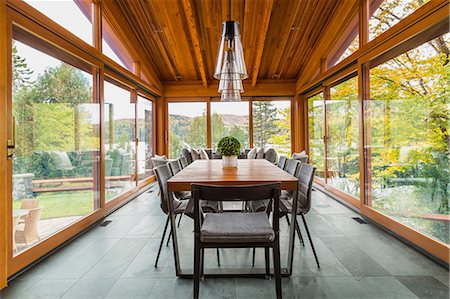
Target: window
x,y
389,13
80,12
407,138
113,47
272,125
119,139
187,126
145,137
229,119
342,144
56,164
316,133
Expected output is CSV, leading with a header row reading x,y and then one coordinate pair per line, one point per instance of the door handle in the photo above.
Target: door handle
x,y
11,143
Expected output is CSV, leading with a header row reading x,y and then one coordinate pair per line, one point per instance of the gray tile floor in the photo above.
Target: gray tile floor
x,y
116,261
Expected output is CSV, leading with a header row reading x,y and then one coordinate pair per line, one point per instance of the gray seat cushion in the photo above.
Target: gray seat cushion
x,y
236,228
182,195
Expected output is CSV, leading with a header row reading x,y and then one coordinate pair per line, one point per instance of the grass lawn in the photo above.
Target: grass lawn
x,y
63,204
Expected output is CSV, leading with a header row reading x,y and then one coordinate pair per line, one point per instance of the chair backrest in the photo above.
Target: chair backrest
x,y
236,193
292,166
31,222
183,162
28,204
281,162
270,155
162,173
158,161
174,167
305,182
187,154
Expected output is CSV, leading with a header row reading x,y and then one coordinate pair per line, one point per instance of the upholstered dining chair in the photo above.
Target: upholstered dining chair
x,y
305,182
281,162
236,229
183,162
163,174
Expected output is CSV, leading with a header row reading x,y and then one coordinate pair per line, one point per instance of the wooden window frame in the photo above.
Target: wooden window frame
x,y
424,24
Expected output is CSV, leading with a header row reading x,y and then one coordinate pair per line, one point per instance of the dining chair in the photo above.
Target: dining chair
x,y
180,207
236,229
305,182
281,162
29,231
174,166
27,204
183,162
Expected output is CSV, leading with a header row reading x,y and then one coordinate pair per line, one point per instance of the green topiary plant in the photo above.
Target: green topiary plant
x,y
229,146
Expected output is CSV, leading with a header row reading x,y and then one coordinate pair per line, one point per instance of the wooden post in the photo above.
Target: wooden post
x,y
208,123
161,127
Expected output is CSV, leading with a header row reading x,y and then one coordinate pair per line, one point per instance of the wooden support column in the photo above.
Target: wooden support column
x,y
97,25
4,231
363,22
300,124
208,123
162,133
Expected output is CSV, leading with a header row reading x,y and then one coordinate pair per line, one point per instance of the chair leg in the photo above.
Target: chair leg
x,y
287,220
267,255
310,240
179,220
170,234
218,257
202,263
253,259
277,267
162,241
197,257
297,228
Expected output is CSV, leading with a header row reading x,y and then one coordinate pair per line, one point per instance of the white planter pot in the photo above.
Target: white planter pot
x,y
230,162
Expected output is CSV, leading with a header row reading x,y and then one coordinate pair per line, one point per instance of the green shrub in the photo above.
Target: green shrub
x,y
229,146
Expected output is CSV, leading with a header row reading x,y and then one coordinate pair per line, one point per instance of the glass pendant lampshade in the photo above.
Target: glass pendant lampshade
x,y
230,66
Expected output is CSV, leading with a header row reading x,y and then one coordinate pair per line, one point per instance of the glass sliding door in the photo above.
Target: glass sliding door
x,y
342,143
145,137
407,138
55,173
316,133
119,127
229,119
187,126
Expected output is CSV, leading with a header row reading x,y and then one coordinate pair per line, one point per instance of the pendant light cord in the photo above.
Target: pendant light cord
x,y
229,10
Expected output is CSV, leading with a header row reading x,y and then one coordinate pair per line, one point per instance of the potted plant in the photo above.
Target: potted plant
x,y
229,147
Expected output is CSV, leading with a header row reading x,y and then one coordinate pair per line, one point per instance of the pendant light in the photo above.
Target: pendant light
x,y
230,65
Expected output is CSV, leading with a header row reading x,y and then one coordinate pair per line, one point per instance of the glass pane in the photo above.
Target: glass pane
x,y
352,47
119,139
389,13
145,136
74,16
316,133
407,138
187,127
56,163
113,48
343,137
272,125
229,119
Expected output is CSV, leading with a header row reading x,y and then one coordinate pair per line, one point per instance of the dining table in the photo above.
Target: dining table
x,y
248,172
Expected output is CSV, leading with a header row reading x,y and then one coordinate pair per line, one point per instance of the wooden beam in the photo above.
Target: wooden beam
x,y
261,41
3,137
192,26
198,90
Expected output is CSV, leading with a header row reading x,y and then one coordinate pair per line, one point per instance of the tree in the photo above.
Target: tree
x,y
282,140
240,134
264,126
218,129
197,132
20,71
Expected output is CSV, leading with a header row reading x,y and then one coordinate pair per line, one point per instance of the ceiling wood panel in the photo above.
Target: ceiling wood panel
x,y
180,37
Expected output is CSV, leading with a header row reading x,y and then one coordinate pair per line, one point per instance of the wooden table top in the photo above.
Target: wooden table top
x,y
255,171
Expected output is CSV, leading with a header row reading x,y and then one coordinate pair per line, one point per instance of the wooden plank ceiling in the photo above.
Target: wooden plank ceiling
x,y
181,36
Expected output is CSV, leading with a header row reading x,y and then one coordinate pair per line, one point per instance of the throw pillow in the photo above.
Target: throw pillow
x,y
260,153
252,153
204,155
159,160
